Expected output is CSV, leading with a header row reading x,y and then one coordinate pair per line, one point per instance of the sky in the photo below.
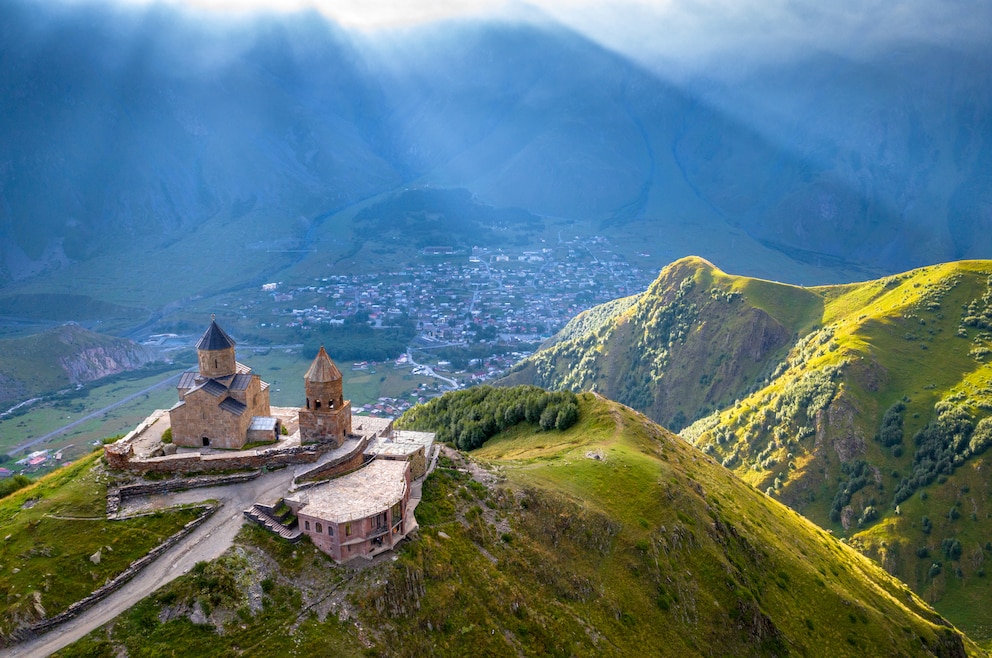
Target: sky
x,y
653,31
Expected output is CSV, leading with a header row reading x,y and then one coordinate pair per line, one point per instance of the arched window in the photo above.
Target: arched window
x,y
316,404
320,528
308,403
215,363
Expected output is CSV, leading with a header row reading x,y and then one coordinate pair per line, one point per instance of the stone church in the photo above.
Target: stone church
x,y
222,404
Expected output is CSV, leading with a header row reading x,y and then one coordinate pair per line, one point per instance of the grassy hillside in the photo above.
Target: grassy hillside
x,y
53,529
865,413
610,538
687,346
62,357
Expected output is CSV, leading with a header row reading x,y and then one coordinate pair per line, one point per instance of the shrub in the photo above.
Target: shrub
x,y
167,435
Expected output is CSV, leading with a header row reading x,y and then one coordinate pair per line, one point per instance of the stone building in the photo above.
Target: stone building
x,y
326,418
222,404
360,514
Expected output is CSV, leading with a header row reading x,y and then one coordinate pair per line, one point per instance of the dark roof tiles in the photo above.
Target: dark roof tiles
x,y
214,338
233,406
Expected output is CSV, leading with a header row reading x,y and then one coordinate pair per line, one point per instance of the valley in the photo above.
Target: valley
x,y
742,248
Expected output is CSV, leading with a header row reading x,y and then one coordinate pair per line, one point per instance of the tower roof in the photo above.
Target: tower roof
x,y
322,369
214,338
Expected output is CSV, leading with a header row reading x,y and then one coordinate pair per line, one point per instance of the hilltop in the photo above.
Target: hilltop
x,y
63,357
862,406
612,537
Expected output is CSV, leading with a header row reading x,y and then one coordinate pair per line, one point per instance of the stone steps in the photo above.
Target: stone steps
x,y
260,515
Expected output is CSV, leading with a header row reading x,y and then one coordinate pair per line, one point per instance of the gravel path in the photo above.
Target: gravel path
x,y
205,543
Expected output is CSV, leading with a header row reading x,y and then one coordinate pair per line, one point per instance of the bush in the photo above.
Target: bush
x,y
10,485
167,435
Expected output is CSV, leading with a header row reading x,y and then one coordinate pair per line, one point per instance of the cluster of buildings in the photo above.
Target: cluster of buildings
x,y
488,295
354,475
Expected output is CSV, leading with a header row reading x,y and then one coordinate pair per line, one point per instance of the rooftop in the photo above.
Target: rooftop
x,y
322,369
369,490
214,338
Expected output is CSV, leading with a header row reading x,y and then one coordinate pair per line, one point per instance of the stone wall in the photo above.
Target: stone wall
x,y
200,416
115,584
115,497
324,425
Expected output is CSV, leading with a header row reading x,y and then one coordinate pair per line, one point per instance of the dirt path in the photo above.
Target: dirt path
x,y
205,543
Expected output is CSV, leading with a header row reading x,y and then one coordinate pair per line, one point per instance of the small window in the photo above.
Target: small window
x,y
330,530
347,530
308,403
316,404
215,363
306,525
320,528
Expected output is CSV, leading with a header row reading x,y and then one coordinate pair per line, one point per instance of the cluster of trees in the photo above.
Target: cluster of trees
x,y
461,356
469,418
859,473
355,340
890,432
949,438
978,313
812,392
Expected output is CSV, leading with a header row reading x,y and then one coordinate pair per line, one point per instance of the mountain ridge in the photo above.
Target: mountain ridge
x,y
868,416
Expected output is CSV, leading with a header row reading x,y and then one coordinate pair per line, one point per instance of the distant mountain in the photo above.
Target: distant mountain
x,y
150,131
63,357
612,538
863,406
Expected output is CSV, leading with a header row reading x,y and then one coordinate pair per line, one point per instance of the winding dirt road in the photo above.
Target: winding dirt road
x,y
205,543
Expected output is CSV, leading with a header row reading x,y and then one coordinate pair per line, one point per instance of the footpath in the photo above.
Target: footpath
x,y
206,542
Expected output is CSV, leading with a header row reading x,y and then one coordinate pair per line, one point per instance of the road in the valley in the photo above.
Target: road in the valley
x,y
95,414
428,371
205,543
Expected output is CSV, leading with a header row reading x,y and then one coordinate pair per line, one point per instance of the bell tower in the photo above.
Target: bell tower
x,y
215,352
326,418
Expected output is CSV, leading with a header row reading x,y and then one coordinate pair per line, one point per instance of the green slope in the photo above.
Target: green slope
x,y
688,345
802,419
611,538
56,359
59,546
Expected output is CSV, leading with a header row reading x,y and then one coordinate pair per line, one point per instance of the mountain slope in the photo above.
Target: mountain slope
x,y
693,341
869,414
152,130
63,357
611,538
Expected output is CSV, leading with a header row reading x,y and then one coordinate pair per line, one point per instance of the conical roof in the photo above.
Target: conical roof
x,y
214,338
322,369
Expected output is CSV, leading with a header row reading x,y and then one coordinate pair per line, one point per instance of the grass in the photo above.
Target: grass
x,y
652,550
53,413
56,525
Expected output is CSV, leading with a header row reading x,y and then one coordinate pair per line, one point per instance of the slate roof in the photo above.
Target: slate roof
x,y
267,423
213,387
188,379
214,338
371,489
240,382
233,406
322,369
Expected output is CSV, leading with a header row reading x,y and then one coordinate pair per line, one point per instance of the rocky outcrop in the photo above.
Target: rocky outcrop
x,y
98,362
